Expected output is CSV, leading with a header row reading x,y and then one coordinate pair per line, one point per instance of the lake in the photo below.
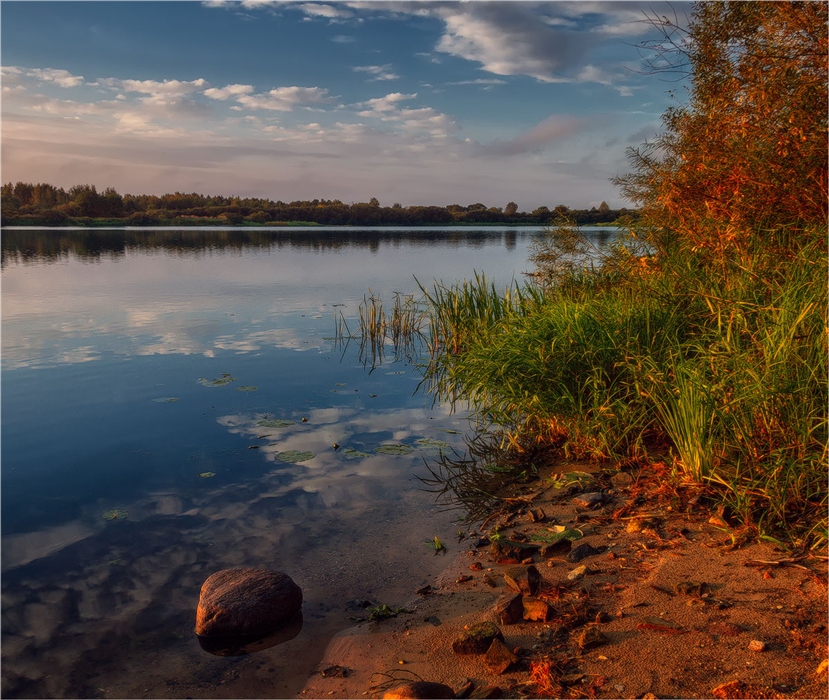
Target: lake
x,y
170,404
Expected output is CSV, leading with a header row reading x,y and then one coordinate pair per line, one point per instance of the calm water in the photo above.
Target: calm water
x,y
129,474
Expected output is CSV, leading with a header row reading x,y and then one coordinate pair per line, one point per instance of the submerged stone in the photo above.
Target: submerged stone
x,y
246,602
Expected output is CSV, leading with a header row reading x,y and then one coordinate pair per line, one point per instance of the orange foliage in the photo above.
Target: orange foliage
x,y
749,150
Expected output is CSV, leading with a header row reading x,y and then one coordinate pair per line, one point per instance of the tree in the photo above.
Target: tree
x,y
511,209
748,152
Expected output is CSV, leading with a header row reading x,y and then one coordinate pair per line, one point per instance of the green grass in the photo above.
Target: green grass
x,y
723,366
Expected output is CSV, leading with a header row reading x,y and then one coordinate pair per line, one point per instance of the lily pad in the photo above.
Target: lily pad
x,y
114,514
207,475
394,449
224,380
247,388
294,456
432,444
351,453
275,423
166,399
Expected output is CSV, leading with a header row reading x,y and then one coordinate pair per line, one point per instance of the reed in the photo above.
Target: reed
x,y
725,366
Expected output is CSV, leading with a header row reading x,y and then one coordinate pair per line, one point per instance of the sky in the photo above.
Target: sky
x,y
415,103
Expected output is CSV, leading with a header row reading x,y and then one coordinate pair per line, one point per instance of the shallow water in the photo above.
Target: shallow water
x,y
153,384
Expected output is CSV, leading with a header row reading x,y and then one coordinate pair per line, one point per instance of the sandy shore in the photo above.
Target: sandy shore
x,y
683,610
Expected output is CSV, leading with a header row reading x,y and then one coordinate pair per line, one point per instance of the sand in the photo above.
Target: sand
x,y
688,606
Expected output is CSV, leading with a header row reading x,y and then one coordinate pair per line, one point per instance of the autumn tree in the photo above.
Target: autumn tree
x,y
748,152
511,209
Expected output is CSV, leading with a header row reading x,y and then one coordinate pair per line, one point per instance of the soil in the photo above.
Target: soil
x,y
688,604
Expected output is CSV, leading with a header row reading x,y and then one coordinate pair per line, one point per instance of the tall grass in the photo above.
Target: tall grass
x,y
723,366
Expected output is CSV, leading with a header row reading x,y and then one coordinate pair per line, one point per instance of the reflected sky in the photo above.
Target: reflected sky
x,y
104,343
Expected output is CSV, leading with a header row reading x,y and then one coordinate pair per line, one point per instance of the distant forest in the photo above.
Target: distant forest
x,y
25,204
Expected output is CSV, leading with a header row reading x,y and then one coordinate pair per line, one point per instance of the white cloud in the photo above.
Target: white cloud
x,y
286,99
378,72
314,9
62,78
173,88
228,91
382,105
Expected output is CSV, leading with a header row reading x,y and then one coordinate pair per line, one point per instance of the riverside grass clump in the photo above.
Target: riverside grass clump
x,y
722,366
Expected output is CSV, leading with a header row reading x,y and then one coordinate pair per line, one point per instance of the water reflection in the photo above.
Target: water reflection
x,y
96,607
90,245
242,645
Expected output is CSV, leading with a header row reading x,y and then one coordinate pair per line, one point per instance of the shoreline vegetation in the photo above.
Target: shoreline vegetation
x,y
42,204
699,336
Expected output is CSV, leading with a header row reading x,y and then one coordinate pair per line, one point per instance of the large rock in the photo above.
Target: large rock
x,y
246,602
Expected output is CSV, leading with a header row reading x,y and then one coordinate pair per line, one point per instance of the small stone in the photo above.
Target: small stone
x,y
578,573
756,645
485,692
649,696
463,687
732,689
334,672
570,678
477,638
583,551
476,566
591,638
432,620
419,689
588,500
556,548
509,609
499,658
537,515
524,580
535,610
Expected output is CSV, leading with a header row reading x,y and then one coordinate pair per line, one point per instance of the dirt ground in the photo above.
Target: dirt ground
x,y
687,605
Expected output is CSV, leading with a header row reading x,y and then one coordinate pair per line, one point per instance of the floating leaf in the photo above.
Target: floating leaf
x,y
207,475
294,456
431,444
221,381
397,372
351,453
114,514
166,399
340,384
247,388
580,479
448,430
275,423
394,449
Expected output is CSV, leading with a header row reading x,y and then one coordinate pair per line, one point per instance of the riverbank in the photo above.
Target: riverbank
x,y
671,603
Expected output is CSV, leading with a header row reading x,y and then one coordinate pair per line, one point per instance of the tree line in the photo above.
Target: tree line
x,y
27,204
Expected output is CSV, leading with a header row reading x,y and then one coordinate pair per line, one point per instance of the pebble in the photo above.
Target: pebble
x,y
578,573
756,645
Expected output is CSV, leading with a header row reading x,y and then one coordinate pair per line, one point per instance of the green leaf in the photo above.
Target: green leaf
x,y
394,449
293,456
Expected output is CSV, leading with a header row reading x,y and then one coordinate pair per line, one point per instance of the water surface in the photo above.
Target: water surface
x,y
153,383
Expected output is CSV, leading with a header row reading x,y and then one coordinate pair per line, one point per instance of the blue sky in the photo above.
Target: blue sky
x,y
410,102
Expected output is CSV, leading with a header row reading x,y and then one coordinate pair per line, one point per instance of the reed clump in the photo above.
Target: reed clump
x,y
725,366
